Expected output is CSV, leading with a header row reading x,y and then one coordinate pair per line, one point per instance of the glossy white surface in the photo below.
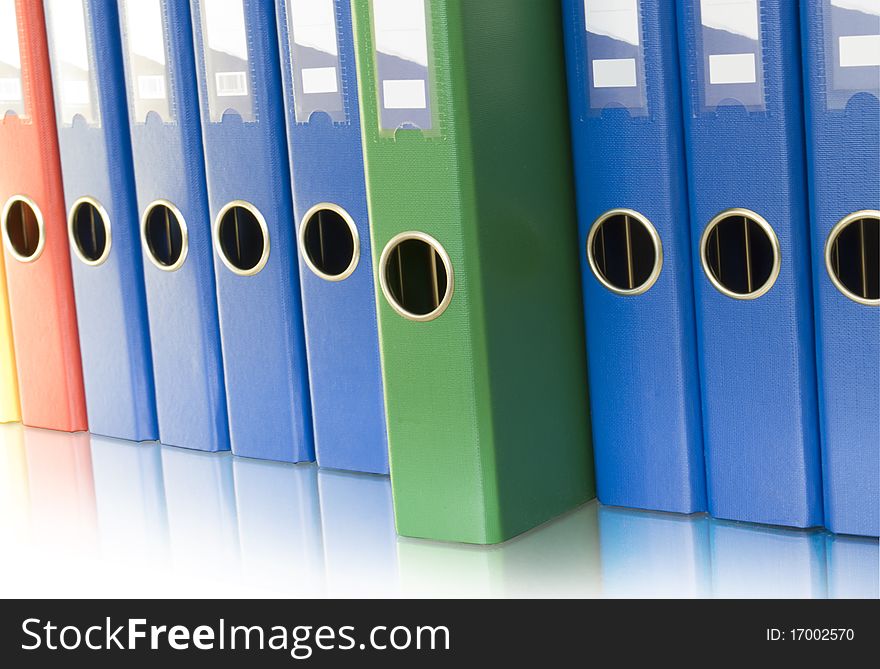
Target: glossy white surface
x,y
84,516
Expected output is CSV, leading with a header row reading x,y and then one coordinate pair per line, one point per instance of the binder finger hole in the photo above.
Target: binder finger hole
x,y
164,235
23,232
740,254
852,257
330,242
242,238
89,229
416,276
625,252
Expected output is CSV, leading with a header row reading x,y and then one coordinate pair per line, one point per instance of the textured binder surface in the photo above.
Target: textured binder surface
x,y
629,155
96,164
487,403
247,162
40,291
170,168
843,139
342,337
757,364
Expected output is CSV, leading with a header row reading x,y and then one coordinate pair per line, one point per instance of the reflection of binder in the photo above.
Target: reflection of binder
x,y
558,560
102,217
130,499
357,520
843,140
62,489
749,562
744,130
255,253
279,526
14,504
654,554
471,210
330,204
175,227
200,503
38,277
852,567
633,209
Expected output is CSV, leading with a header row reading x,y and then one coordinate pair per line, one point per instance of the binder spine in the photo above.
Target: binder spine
x,y
843,140
175,224
744,129
248,176
98,178
330,206
10,408
40,290
625,99
470,203
11,100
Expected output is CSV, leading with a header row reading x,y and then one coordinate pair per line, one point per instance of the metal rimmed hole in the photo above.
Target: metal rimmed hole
x,y
23,231
740,254
625,252
89,229
330,242
164,235
852,257
242,238
416,276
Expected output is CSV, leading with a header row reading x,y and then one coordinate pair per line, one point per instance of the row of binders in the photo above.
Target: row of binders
x,y
346,229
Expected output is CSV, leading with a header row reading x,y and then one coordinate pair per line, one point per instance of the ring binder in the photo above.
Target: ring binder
x,y
242,238
330,204
259,297
642,257
746,264
858,235
89,230
162,217
636,272
24,232
744,129
328,226
10,408
839,44
92,124
175,225
40,293
416,276
482,345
